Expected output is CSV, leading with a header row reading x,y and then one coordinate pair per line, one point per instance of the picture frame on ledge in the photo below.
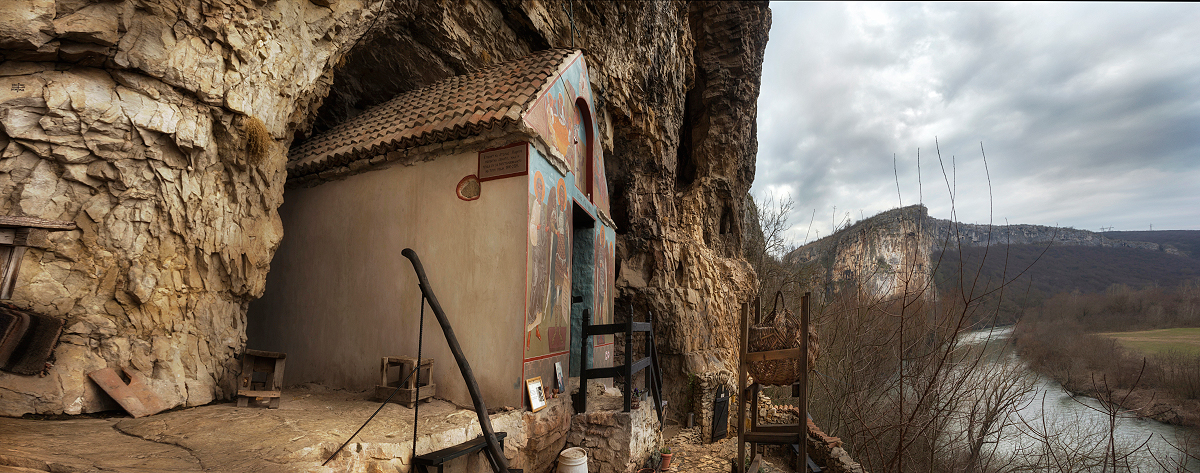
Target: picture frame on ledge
x,y
558,373
537,396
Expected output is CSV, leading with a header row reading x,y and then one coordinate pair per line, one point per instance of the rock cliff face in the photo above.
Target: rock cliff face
x,y
885,255
131,119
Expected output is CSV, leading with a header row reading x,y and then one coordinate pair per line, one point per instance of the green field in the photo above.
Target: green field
x,y
1160,341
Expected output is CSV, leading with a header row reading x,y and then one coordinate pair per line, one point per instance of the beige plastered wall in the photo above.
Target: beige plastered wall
x,y
340,295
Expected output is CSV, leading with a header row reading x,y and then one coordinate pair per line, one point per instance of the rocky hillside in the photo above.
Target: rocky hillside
x,y
130,119
887,254
985,235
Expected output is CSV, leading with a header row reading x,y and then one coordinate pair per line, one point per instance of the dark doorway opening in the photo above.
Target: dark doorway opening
x,y
583,276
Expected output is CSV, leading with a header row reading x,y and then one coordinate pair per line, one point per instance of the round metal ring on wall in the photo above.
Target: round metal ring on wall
x,y
468,188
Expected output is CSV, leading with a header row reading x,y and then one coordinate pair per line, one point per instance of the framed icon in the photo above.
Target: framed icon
x,y
537,396
558,373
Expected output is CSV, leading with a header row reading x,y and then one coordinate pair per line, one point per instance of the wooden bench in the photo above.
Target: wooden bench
x,y
440,457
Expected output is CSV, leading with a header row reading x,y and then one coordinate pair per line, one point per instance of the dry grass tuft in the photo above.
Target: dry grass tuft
x,y
258,140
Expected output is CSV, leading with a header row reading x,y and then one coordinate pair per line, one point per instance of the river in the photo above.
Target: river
x,y
1076,424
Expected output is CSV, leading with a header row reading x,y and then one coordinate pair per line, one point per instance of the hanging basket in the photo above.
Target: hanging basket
x,y
780,331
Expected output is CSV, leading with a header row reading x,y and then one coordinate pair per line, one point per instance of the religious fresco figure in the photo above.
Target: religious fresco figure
x,y
549,277
539,255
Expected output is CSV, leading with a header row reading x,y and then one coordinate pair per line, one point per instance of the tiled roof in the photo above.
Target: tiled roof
x,y
454,108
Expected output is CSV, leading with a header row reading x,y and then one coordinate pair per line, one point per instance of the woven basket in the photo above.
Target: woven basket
x,y
780,331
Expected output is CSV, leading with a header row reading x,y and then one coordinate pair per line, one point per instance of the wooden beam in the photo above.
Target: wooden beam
x,y
783,354
802,429
772,437
741,393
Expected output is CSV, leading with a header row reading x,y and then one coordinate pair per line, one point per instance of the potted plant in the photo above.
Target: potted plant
x,y
665,453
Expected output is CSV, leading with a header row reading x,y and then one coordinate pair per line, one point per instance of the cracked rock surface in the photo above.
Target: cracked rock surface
x,y
127,118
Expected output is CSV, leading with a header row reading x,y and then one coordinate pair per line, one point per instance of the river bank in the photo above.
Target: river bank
x,y
1156,386
1158,404
1051,416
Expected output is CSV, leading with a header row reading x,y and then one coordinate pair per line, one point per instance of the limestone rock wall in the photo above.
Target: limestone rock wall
x,y
128,118
885,255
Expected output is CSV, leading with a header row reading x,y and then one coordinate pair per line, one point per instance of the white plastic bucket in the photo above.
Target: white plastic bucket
x,y
572,460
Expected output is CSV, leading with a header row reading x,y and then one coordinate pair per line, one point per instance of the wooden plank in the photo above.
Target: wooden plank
x,y
12,265
639,365
266,354
405,396
756,464
741,393
802,428
135,397
259,393
755,389
772,355
446,454
603,329
785,428
34,222
601,373
772,437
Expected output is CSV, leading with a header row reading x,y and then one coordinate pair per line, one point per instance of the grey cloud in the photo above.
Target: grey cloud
x,y
1090,113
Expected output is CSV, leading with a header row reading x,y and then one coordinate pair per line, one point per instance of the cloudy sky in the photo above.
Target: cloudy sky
x,y
1089,114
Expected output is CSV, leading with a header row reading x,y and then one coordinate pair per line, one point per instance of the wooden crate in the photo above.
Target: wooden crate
x,y
416,387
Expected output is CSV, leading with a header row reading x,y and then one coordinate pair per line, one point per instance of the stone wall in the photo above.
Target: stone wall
x,y
704,393
616,441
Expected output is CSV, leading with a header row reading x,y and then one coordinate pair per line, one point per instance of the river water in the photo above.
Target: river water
x,y
1075,424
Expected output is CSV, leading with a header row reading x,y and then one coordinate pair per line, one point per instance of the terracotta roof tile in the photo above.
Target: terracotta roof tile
x,y
453,108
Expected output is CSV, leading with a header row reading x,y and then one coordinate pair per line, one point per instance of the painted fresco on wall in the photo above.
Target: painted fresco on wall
x,y
605,261
557,119
547,323
578,148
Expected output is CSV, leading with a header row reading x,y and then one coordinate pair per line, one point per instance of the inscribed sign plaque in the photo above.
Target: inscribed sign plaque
x,y
511,160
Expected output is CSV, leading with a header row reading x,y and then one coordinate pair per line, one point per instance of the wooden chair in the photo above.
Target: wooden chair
x,y
270,387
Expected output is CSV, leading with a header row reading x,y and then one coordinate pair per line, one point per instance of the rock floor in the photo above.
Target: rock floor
x,y
308,426
297,437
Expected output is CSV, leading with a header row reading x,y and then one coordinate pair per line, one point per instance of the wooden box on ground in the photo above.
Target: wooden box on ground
x,y
413,387
268,365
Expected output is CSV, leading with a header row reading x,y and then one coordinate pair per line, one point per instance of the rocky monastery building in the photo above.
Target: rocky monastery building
x,y
495,180
131,119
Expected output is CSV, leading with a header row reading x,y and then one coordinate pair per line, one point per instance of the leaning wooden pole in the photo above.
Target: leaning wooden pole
x,y
496,457
741,392
803,420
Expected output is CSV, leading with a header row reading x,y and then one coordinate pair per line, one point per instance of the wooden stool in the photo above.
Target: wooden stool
x,y
409,393
270,387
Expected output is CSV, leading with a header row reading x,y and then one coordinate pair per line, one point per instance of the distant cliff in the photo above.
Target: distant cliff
x,y
887,254
890,252
985,235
